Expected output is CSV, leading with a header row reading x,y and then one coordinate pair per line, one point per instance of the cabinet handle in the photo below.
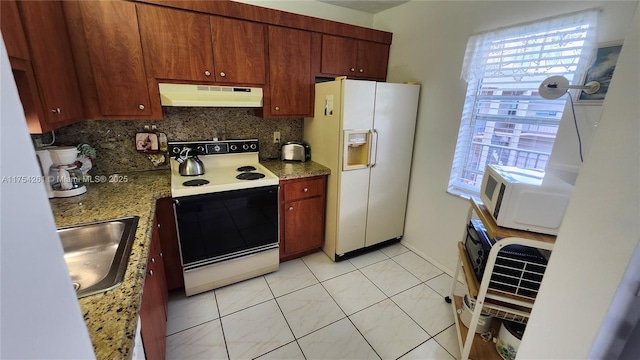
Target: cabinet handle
x,y
352,69
290,208
305,190
361,70
277,108
223,74
151,272
207,73
153,260
56,111
141,107
158,225
160,254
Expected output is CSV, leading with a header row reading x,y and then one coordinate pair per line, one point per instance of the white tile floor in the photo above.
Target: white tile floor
x,y
387,304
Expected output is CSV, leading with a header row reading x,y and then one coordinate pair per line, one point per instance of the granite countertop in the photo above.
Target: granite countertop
x,y
287,170
111,317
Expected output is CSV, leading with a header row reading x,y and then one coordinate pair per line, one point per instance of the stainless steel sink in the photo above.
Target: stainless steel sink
x,y
97,253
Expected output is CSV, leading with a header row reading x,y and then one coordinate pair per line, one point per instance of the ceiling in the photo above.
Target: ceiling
x,y
370,6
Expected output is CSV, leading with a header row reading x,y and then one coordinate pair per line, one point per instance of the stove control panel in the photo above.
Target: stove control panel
x,y
215,147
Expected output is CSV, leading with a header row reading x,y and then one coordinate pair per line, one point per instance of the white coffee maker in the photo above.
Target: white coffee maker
x,y
62,177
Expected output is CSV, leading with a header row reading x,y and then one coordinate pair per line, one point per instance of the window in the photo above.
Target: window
x,y
504,120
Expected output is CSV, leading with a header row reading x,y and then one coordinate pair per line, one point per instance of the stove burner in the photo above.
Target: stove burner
x,y
246,168
250,176
197,182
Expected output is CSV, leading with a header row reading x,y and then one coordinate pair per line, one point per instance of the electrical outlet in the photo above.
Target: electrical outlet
x,y
276,137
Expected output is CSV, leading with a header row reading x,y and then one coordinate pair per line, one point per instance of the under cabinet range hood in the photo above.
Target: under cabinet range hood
x,y
209,96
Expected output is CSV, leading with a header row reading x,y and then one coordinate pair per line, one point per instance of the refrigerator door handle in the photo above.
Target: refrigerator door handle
x,y
374,149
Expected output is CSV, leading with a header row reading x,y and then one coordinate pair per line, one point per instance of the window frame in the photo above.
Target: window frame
x,y
515,109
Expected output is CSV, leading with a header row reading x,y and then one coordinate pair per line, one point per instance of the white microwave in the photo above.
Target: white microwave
x,y
525,199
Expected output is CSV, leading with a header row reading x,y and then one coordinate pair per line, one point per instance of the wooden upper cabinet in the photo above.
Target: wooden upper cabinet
x,y
12,32
290,80
177,43
238,51
354,58
52,62
183,45
373,60
339,55
115,52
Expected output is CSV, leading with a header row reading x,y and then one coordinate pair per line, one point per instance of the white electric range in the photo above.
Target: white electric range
x,y
227,218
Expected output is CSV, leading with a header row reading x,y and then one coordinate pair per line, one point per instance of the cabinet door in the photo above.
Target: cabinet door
x,y
239,51
373,59
153,308
46,34
338,55
12,32
148,319
169,243
113,41
290,82
156,257
303,225
178,43
29,96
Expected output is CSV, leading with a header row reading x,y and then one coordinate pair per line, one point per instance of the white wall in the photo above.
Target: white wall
x,y
317,9
600,230
429,40
39,313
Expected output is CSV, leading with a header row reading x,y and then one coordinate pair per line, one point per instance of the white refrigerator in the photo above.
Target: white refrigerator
x,y
363,131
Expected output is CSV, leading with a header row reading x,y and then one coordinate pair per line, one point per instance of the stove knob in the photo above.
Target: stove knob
x,y
234,147
254,146
245,146
176,150
216,148
200,148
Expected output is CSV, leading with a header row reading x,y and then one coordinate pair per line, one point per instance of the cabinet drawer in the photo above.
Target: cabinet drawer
x,y
303,189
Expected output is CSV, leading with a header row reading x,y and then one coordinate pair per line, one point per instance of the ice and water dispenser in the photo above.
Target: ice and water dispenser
x,y
357,144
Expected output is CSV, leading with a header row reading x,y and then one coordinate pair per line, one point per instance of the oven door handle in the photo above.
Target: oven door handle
x,y
475,240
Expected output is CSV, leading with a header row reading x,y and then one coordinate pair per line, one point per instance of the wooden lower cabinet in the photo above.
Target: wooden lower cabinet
x,y
302,214
169,241
153,311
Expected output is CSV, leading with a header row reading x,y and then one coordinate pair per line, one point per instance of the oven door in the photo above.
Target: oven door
x,y
221,226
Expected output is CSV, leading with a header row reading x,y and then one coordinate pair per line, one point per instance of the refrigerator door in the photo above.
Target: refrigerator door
x,y
358,104
323,133
357,113
353,211
396,109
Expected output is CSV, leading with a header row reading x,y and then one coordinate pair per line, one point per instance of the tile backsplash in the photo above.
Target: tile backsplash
x,y
115,145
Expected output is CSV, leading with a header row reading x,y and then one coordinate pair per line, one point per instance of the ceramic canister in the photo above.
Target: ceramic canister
x,y
484,322
509,338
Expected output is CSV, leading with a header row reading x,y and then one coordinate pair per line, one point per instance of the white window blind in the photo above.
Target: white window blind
x,y
504,120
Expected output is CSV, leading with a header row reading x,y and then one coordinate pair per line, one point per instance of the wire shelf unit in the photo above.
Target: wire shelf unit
x,y
508,288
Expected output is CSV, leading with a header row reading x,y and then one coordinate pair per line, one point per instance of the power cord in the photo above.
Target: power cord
x,y
575,122
53,135
487,336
